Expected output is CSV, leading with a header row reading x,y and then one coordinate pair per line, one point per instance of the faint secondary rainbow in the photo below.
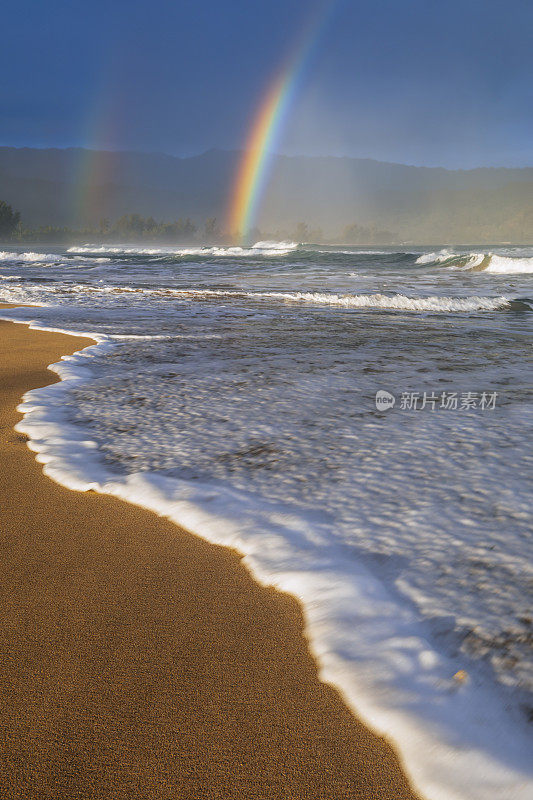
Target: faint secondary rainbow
x,y
268,124
95,163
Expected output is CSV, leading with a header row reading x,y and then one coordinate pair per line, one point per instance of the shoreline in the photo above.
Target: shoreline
x,y
141,660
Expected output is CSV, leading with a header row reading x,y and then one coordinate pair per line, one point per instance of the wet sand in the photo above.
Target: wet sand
x,y
139,661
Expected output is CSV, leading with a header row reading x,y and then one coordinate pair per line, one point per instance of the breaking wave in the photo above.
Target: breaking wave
x,y
478,262
265,248
30,258
396,302
503,264
270,245
47,259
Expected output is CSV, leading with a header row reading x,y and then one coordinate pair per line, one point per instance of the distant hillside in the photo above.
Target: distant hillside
x,y
76,187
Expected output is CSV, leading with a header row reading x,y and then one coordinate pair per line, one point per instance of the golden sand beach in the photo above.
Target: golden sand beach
x,y
139,661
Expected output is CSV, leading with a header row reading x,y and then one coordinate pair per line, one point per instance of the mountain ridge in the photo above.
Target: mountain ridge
x,y
77,187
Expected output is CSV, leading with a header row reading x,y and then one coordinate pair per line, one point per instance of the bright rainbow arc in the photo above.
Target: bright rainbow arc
x,y
267,127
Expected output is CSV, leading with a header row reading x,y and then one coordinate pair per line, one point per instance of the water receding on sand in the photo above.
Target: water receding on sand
x,y
235,390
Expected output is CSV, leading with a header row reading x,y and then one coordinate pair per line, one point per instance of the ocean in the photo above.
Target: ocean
x,y
357,422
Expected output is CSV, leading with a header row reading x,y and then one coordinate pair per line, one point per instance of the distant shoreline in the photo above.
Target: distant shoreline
x,y
87,189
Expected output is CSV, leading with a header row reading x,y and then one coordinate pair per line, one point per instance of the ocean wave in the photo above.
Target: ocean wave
x,y
395,302
398,301
30,257
376,301
478,262
264,248
48,259
119,250
259,249
271,245
505,264
355,251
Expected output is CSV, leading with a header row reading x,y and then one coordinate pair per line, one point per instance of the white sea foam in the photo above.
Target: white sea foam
x,y
355,251
485,262
396,302
269,249
266,248
119,250
451,259
431,258
451,734
30,257
504,265
377,301
47,259
272,245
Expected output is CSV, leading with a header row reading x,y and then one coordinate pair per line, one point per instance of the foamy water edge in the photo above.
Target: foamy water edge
x,y
363,639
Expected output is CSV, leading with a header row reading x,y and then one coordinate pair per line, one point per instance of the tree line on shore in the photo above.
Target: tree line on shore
x,y
134,227
128,227
9,220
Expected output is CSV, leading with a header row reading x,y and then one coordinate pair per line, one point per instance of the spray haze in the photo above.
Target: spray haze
x,y
352,200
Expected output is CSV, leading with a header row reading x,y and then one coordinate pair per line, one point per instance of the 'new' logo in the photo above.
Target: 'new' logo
x,y
384,400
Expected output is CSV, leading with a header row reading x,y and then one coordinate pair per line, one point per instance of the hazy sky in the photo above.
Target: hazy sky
x,y
438,82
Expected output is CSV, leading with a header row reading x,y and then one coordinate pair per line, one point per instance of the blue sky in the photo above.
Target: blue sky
x,y
417,81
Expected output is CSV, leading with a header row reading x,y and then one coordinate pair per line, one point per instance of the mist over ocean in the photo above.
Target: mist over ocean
x,y
234,389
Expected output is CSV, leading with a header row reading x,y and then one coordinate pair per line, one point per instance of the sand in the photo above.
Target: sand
x,y
139,661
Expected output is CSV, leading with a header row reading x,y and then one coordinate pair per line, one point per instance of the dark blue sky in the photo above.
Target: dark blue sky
x,y
444,82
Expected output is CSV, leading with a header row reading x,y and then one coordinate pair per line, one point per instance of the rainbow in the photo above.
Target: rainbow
x,y
267,126
96,159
